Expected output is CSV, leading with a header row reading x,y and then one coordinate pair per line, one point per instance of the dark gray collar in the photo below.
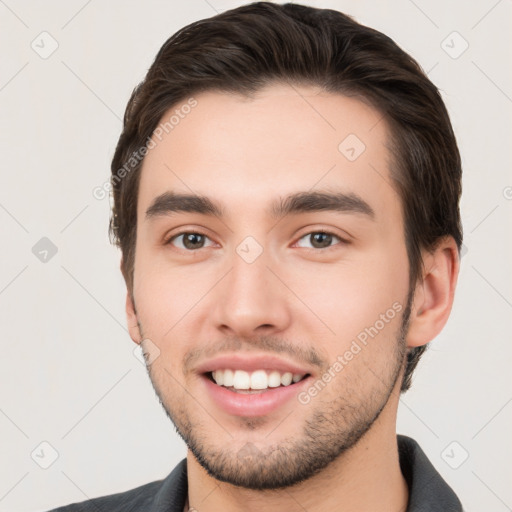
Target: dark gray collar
x,y
428,492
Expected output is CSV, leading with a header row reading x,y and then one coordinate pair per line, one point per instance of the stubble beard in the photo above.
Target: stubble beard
x,y
332,428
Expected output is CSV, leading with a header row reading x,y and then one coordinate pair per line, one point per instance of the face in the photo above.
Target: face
x,y
290,266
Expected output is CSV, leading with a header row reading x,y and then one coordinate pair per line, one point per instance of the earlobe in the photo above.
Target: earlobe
x,y
434,294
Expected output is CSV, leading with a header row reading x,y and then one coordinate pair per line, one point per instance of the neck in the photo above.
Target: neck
x,y
364,479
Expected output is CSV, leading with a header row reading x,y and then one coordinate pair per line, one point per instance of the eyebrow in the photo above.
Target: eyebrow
x,y
301,202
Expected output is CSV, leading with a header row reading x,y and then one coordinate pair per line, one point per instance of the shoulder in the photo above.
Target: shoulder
x,y
133,499
155,496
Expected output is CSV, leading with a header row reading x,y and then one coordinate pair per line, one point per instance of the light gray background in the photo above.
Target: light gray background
x,y
68,374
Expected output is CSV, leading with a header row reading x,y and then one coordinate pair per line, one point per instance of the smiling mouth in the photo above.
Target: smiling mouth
x,y
259,381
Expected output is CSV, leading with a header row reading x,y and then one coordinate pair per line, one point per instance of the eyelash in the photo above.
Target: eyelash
x,y
323,231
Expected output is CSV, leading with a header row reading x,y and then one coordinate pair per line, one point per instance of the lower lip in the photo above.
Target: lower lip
x,y
252,404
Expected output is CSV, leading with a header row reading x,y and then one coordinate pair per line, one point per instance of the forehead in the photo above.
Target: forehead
x,y
245,152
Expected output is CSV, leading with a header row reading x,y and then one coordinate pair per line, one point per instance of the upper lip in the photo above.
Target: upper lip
x,y
251,363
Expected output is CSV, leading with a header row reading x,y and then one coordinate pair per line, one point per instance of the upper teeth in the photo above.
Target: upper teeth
x,y
258,379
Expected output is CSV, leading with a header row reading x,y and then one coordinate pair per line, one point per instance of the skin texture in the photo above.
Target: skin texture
x,y
305,303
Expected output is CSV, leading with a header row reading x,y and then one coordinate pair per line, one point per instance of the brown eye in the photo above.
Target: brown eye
x,y
188,240
319,240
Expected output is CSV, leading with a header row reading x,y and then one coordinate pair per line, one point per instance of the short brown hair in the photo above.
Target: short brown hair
x,y
244,49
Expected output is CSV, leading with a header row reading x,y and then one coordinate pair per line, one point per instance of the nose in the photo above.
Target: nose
x,y
251,300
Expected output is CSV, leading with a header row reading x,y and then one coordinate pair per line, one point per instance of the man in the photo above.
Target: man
x,y
286,193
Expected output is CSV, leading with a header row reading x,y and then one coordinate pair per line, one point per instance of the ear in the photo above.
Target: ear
x,y
434,293
131,316
133,323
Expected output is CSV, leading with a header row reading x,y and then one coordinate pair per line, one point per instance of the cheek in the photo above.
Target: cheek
x,y
165,293
350,296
